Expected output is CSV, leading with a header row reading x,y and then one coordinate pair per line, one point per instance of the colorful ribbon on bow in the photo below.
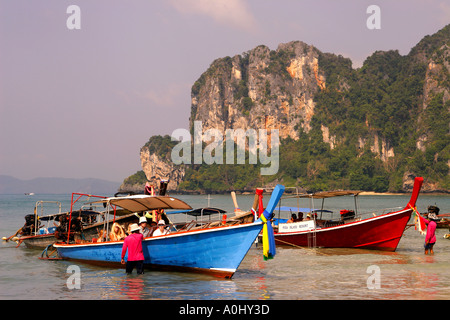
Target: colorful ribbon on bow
x,y
268,238
418,223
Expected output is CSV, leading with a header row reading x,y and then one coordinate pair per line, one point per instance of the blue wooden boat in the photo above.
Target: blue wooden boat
x,y
213,250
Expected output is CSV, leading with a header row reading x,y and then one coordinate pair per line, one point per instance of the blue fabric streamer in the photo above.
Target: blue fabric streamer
x,y
269,241
268,237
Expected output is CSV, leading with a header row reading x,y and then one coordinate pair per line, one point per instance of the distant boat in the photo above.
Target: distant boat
x,y
444,218
29,193
41,230
351,230
216,250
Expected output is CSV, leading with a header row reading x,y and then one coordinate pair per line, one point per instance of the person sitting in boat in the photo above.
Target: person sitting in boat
x,y
143,227
293,218
101,236
161,229
153,227
76,225
311,216
28,227
117,233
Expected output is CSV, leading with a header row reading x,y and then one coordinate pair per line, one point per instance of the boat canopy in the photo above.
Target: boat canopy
x,y
297,209
326,194
199,211
77,213
330,194
141,202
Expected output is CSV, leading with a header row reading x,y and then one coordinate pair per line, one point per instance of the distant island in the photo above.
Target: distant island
x,y
11,185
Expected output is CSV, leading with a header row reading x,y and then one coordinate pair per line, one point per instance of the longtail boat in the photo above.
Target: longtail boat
x,y
41,230
216,249
351,230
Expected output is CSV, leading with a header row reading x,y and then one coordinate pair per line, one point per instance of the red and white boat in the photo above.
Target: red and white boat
x,y
379,232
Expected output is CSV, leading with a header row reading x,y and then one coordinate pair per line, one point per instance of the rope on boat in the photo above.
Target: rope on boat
x,y
49,256
299,247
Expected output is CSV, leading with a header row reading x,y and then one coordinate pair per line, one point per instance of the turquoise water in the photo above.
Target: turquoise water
x,y
294,273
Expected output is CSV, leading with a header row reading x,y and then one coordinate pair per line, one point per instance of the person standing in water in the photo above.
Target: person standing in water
x,y
430,238
133,243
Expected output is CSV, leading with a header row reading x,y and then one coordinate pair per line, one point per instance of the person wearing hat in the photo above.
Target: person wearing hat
x,y
143,227
161,229
430,238
133,244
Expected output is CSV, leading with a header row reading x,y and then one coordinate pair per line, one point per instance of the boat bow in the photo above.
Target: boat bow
x,y
415,194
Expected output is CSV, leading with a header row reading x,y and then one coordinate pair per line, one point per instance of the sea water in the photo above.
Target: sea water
x,y
294,273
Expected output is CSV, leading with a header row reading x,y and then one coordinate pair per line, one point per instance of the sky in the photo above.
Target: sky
x,y
80,103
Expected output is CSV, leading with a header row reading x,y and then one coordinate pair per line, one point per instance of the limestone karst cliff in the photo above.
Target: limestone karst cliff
x,y
157,166
370,128
260,89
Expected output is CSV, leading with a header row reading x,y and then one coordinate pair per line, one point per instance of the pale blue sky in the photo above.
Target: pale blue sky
x,y
81,103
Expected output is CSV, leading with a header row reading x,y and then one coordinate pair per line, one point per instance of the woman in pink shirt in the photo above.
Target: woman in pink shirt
x,y
430,238
133,243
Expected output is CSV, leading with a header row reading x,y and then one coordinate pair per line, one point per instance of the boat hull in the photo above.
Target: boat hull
x,y
38,241
217,251
380,233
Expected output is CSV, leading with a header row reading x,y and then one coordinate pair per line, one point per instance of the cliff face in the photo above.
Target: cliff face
x,y
158,167
436,84
386,121
272,90
260,89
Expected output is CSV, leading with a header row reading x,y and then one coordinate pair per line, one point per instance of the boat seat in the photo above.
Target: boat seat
x,y
206,225
332,223
189,226
203,226
232,222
